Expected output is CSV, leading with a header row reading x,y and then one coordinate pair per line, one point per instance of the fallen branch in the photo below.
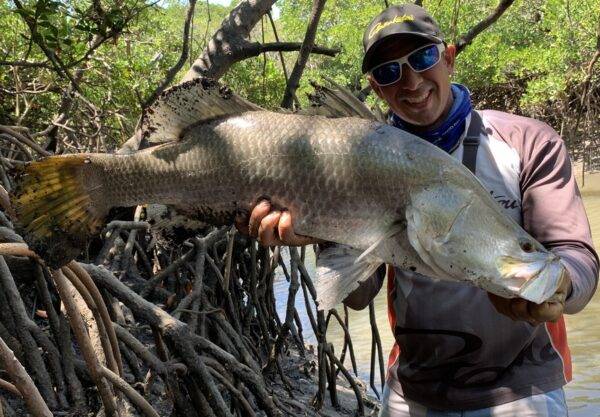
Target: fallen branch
x,y
5,385
31,351
24,140
84,342
23,383
88,282
130,392
91,303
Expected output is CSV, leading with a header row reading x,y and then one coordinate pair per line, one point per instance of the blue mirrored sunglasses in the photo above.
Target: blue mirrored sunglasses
x,y
418,60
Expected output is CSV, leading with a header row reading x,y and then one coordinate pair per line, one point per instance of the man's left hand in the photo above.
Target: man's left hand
x,y
520,309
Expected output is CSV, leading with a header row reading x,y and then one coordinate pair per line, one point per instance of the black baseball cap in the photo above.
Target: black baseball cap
x,y
403,19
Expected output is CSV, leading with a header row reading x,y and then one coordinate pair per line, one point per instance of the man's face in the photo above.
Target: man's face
x,y
419,98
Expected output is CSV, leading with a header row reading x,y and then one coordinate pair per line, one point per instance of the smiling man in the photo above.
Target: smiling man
x,y
460,351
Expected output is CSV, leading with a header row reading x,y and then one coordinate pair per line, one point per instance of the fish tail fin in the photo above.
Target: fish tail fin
x,y
190,103
54,204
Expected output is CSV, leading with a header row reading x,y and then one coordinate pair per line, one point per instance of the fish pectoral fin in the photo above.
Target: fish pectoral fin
x,y
340,270
395,228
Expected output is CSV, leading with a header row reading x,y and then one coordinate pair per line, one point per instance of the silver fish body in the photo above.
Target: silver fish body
x,y
385,195
344,180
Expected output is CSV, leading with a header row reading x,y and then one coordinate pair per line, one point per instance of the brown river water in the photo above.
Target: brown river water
x,y
583,393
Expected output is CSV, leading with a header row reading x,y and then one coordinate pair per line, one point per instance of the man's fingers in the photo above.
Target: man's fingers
x,y
267,231
258,213
287,234
548,311
519,308
501,304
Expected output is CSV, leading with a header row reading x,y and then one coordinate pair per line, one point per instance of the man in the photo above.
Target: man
x,y
454,353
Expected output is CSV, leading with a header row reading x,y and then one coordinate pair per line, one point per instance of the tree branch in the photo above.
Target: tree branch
x,y
222,50
66,292
292,46
129,391
26,64
23,139
185,50
467,38
587,81
52,57
307,46
34,401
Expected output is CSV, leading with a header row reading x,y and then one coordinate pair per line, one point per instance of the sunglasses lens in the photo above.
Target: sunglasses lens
x,y
388,73
424,59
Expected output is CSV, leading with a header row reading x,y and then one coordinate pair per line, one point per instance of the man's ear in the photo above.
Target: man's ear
x,y
450,57
376,88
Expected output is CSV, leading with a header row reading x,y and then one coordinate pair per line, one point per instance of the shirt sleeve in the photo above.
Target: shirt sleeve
x,y
554,214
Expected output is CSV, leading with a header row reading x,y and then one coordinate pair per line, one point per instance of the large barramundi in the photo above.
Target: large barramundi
x,y
385,195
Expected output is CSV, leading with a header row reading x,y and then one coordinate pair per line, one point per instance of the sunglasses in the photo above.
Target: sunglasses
x,y
418,60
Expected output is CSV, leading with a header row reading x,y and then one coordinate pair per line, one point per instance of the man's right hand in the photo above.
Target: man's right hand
x,y
271,227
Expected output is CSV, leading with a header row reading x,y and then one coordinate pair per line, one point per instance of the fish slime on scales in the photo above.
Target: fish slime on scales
x,y
348,180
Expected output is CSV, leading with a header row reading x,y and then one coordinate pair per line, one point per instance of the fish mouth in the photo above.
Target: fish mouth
x,y
535,280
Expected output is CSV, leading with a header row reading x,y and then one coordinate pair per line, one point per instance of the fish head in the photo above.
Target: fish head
x,y
464,236
528,270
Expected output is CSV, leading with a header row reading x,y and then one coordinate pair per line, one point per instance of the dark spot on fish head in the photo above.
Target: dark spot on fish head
x,y
412,268
526,246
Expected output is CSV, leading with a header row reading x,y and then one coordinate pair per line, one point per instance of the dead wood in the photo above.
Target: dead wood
x,y
23,383
67,293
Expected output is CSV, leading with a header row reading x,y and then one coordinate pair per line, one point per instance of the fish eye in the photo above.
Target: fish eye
x,y
527,246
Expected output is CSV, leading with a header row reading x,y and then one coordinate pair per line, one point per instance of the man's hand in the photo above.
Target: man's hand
x,y
271,227
520,309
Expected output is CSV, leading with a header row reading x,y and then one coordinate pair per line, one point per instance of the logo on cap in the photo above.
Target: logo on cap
x,y
382,25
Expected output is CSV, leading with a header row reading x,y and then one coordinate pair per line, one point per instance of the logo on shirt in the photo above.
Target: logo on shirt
x,y
506,202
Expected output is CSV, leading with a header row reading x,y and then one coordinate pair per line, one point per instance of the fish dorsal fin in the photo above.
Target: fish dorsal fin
x,y
339,272
334,100
187,104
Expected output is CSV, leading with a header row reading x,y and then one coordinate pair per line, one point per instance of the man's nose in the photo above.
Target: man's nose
x,y
410,80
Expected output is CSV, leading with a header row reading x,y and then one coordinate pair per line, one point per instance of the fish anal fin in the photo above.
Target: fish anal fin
x,y
339,273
